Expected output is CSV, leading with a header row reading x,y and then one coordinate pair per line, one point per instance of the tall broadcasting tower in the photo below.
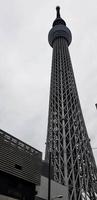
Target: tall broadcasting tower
x,y
67,138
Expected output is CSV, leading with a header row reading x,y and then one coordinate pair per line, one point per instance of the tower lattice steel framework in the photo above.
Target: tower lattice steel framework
x,y
71,152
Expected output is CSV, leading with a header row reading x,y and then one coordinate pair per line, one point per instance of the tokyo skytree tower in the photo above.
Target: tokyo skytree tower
x,y
67,139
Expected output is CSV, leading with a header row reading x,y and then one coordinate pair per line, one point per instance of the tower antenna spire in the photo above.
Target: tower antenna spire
x,y
58,11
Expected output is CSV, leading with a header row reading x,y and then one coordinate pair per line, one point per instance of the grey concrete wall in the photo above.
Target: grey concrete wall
x,y
56,189
2,197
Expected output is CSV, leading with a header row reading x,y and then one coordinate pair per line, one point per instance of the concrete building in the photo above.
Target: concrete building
x,y
20,168
57,189
3,197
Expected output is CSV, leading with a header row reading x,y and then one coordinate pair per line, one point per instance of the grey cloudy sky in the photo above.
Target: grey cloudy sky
x,y
25,64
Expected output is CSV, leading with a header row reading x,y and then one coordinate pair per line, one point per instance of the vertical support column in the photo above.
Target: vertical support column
x,y
63,123
49,177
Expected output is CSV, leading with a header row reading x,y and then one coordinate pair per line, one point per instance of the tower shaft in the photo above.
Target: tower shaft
x,y
67,138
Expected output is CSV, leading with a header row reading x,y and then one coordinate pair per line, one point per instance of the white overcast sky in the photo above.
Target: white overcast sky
x,y
25,64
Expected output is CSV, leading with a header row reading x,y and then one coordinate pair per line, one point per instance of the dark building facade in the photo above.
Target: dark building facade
x,y
20,168
67,138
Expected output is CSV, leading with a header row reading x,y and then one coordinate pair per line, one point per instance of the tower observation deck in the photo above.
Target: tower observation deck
x,y
67,138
